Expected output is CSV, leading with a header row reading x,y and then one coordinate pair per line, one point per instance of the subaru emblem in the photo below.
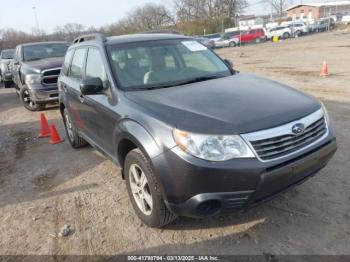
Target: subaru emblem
x,y
298,128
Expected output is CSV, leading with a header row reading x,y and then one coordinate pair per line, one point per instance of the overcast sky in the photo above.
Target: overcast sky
x,y
19,14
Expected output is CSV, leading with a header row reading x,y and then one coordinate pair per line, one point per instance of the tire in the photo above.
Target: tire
x,y
7,84
286,35
156,214
27,102
232,44
297,33
257,40
73,137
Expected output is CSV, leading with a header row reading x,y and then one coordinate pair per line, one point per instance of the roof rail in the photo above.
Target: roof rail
x,y
84,38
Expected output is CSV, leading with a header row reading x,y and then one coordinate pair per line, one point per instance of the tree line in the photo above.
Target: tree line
x,y
190,17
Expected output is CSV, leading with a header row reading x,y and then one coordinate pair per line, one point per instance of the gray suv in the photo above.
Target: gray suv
x,y
194,137
6,57
35,69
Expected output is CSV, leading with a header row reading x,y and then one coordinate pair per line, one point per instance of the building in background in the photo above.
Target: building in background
x,y
316,11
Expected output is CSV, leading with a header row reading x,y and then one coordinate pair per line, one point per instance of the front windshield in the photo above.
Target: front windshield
x,y
157,64
37,52
7,54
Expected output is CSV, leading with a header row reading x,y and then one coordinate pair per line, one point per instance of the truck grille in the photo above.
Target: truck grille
x,y
282,143
50,76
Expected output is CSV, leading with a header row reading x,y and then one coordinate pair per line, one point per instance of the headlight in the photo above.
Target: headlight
x,y
33,79
212,147
326,115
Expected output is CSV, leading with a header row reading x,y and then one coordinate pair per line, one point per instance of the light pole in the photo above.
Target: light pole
x,y
36,18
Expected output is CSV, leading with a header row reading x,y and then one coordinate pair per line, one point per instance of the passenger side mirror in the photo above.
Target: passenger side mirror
x,y
229,63
91,86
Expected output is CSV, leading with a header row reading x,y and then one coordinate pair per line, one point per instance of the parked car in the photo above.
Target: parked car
x,y
230,39
299,28
214,37
36,67
6,57
283,32
206,41
194,136
324,25
253,35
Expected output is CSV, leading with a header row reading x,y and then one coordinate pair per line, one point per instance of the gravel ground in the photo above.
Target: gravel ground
x,y
46,189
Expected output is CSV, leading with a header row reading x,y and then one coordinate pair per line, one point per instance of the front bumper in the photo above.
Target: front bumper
x,y
42,94
197,188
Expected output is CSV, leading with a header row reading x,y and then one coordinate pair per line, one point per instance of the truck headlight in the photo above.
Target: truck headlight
x,y
326,115
33,79
212,147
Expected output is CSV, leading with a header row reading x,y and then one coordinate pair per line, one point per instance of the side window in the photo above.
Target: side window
x,y
67,60
16,57
95,66
76,70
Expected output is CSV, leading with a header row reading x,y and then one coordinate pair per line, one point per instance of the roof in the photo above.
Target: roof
x,y
43,43
324,4
141,37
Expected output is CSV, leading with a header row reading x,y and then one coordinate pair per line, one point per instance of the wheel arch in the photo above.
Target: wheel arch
x,y
130,135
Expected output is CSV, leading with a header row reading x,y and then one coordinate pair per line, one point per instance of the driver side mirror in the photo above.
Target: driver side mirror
x,y
91,86
229,63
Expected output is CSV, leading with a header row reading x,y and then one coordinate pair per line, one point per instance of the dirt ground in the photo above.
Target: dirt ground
x,y
43,186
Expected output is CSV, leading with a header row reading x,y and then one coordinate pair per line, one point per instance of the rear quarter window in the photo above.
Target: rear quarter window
x,y
66,63
76,69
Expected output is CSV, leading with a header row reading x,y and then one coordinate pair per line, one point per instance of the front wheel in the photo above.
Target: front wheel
x,y
27,102
73,137
143,190
7,84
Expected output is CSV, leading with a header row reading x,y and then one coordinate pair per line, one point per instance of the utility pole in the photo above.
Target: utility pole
x,y
36,19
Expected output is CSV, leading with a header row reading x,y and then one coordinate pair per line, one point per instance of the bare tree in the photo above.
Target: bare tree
x,y
69,31
212,15
279,6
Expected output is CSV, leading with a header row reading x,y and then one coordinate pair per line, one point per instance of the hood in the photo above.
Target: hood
x,y
5,61
47,63
237,104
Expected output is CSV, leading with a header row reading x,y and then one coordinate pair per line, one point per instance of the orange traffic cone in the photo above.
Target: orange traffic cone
x,y
55,137
45,130
324,71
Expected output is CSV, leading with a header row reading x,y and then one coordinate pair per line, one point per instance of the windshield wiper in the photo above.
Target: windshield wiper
x,y
200,79
194,80
33,59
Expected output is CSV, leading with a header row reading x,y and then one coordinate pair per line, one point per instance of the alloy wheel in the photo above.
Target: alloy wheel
x,y
140,189
69,127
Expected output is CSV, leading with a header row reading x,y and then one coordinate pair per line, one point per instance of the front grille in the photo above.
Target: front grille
x,y
279,146
278,142
50,76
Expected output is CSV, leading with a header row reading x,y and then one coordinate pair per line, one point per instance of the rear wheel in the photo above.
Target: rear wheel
x,y
73,137
27,102
232,44
143,190
297,33
286,35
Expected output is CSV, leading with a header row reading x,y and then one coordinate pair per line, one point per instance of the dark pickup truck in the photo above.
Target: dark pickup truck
x,y
35,69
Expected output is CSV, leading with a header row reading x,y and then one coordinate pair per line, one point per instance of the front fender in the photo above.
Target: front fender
x,y
135,132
